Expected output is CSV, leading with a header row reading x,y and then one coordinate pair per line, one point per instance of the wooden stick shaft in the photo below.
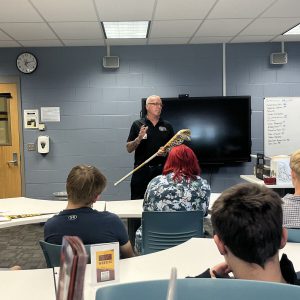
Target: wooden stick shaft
x,y
137,168
28,215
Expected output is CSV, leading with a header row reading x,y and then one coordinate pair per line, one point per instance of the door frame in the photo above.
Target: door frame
x,y
16,80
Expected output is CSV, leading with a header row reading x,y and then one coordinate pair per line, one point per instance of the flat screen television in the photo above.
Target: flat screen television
x,y
220,126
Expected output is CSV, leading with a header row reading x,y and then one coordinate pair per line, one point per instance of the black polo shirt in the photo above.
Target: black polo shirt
x,y
157,136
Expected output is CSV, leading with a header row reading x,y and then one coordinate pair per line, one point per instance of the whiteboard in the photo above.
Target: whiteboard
x,y
281,125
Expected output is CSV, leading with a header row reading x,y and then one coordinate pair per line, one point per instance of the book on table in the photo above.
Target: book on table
x,y
72,269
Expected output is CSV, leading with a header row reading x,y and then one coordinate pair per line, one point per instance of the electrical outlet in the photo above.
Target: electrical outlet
x,y
31,147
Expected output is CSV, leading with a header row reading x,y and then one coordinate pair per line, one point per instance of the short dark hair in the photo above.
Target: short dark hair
x,y
248,220
84,184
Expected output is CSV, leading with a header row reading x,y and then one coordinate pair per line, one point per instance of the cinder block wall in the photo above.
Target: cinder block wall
x,y
99,105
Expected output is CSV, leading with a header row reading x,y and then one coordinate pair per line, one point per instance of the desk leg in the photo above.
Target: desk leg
x,y
133,225
54,279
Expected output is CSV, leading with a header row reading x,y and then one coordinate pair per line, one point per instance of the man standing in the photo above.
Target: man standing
x,y
146,137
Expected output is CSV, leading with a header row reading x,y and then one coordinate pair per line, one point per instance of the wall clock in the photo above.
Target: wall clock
x,y
27,63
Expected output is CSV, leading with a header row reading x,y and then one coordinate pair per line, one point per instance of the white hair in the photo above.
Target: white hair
x,y
150,97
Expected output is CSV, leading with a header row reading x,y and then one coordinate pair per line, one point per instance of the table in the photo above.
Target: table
x,y
281,189
23,205
125,208
190,258
27,284
254,179
134,208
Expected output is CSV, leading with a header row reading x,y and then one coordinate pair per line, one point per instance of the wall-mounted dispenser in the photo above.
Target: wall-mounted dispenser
x,y
43,144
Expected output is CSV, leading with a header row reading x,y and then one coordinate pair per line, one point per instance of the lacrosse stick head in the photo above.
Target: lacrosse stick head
x,y
181,136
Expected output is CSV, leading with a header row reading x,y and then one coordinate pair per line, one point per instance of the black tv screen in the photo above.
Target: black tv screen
x,y
220,126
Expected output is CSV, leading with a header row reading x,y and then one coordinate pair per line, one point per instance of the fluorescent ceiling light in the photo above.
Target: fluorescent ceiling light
x,y
294,30
126,30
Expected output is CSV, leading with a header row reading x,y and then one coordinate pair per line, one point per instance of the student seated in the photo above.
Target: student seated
x,y
247,221
179,188
291,202
84,186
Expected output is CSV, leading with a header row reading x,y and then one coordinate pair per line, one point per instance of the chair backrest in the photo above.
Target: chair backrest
x,y
52,253
162,230
200,289
294,235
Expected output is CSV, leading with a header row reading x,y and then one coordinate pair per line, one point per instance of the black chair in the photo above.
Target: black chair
x,y
162,230
52,253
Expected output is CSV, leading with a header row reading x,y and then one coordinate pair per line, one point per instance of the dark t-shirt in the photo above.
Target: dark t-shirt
x,y
286,267
157,136
90,225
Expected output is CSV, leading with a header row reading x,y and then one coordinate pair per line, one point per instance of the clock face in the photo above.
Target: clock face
x,y
27,63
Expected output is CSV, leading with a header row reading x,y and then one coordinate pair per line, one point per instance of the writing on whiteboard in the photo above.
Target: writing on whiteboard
x,y
281,116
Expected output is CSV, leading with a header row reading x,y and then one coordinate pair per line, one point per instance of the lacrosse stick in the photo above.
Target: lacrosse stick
x,y
181,136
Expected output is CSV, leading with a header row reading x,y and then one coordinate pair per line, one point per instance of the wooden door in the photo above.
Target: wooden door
x,y
10,160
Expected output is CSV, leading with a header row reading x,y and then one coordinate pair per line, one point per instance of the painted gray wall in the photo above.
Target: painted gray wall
x,y
99,105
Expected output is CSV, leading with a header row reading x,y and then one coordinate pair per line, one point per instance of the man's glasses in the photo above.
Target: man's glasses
x,y
156,104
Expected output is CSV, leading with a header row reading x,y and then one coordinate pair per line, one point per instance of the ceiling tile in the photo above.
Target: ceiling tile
x,y
18,11
96,42
129,10
42,43
4,37
173,21
270,26
222,27
287,38
66,10
252,38
283,9
210,39
181,28
168,41
78,30
238,8
182,10
5,44
28,31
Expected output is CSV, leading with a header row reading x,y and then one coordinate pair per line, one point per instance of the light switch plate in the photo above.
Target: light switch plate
x,y
31,147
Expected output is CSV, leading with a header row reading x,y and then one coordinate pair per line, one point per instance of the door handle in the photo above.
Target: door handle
x,y
14,161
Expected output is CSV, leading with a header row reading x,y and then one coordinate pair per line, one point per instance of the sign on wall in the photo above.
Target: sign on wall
x,y
31,118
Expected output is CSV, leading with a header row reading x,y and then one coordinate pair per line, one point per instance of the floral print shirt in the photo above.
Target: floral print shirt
x,y
165,194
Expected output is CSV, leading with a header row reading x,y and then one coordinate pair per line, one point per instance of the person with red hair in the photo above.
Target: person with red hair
x,y
179,188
